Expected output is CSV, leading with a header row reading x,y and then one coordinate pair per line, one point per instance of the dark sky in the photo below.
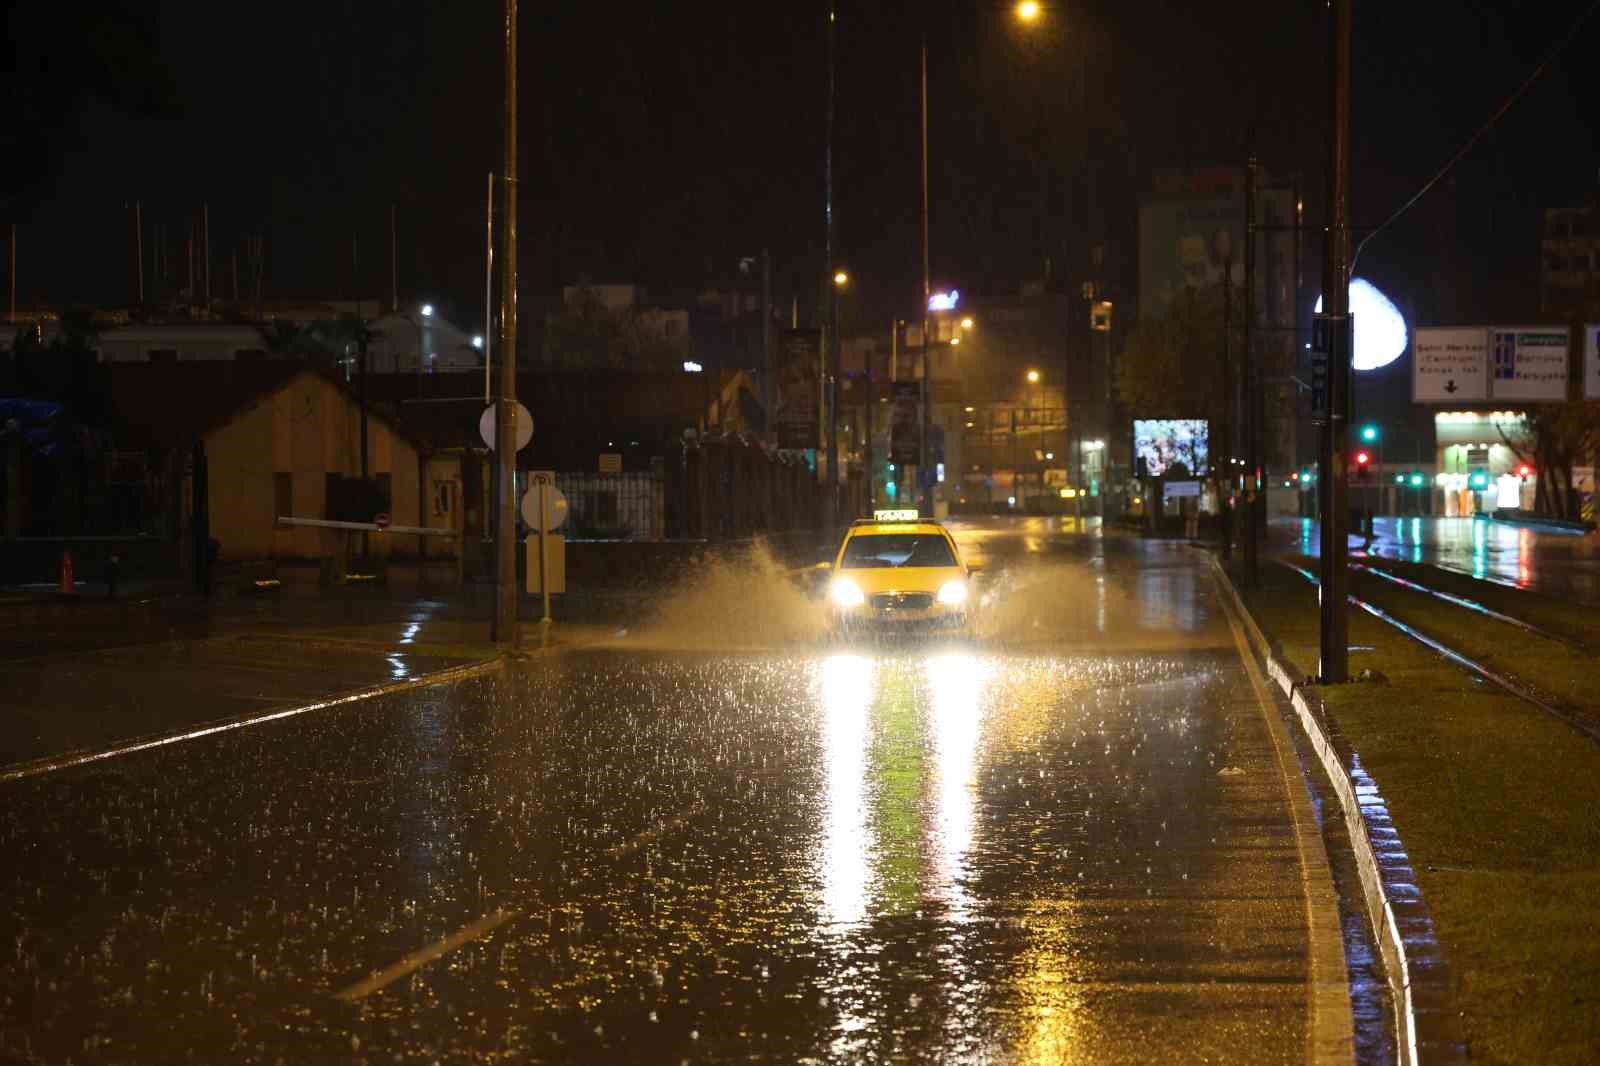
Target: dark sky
x,y
663,142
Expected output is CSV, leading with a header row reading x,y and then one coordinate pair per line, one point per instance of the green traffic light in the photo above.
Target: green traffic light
x,y
1416,480
1369,433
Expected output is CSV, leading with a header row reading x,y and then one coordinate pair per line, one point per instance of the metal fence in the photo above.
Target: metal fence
x,y
615,505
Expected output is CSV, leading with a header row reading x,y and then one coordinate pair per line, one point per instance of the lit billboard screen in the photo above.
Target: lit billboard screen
x,y
1165,442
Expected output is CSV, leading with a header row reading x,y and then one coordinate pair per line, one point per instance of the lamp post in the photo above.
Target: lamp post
x,y
830,503
504,629
1027,12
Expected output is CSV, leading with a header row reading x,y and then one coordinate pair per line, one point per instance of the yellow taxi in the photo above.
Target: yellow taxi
x,y
898,571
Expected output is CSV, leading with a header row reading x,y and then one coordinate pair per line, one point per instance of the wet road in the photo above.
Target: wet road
x,y
1554,562
1069,842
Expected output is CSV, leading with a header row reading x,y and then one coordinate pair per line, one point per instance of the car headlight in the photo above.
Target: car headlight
x,y
953,593
846,593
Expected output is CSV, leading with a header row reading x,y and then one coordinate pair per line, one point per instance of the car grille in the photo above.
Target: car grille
x,y
902,601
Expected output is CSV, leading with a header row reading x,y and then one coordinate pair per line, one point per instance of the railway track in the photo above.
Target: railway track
x,y
1577,719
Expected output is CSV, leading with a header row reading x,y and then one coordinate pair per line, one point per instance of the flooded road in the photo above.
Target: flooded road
x,y
1066,842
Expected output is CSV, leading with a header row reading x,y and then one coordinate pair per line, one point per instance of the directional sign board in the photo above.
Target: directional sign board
x,y
1528,363
1591,361
1450,365
524,426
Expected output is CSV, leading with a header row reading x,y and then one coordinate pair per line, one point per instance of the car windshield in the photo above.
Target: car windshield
x,y
897,549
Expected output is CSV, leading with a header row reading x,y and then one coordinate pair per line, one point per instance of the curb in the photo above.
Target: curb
x,y
1419,977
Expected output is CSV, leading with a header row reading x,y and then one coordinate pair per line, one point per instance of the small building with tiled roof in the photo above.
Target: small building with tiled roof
x,y
279,438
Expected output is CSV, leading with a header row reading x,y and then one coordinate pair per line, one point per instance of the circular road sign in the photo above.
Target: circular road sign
x,y
556,503
486,426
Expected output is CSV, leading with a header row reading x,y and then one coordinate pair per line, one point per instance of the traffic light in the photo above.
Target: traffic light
x,y
1369,433
1417,479
1524,471
1479,481
1363,464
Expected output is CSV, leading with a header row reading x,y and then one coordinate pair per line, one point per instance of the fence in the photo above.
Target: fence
x,y
630,505
730,490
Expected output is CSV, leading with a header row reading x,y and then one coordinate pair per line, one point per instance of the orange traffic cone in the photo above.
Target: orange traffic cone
x,y
67,581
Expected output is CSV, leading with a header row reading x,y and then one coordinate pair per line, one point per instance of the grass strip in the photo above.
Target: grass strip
x,y
1575,621
1495,802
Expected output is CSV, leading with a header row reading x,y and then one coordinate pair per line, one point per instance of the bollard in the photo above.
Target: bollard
x,y
67,581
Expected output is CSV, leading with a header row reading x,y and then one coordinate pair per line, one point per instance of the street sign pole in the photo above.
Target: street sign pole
x,y
1334,484
504,628
544,549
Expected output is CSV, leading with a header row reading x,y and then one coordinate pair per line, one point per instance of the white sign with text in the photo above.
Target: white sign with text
x,y
1450,365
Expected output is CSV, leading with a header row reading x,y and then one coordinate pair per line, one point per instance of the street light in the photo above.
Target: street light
x,y
1028,10
841,279
427,310
966,323
1033,377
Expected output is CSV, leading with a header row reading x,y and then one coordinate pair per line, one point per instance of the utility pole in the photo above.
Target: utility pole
x,y
505,614
394,269
1333,485
138,244
767,385
205,244
1231,395
1255,483
924,493
830,493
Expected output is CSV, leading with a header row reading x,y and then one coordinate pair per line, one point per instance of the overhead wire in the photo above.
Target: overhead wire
x,y
1483,130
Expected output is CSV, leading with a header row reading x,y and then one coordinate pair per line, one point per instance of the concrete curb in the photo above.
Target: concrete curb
x,y
1420,983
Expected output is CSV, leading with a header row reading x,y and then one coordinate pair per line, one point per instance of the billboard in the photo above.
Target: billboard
x,y
1164,443
905,423
799,388
1528,363
1450,365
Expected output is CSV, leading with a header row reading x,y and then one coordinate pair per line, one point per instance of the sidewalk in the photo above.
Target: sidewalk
x,y
101,673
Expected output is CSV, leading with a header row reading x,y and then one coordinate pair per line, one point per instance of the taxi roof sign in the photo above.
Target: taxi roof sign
x,y
907,515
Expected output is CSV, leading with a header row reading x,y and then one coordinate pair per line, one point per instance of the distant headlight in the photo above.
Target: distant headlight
x,y
953,594
846,593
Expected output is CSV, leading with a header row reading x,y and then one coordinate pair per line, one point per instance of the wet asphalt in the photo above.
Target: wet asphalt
x,y
1556,562
1065,842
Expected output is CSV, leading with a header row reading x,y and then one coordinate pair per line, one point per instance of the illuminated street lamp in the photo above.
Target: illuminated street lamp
x,y
1028,10
1033,377
967,323
955,341
841,279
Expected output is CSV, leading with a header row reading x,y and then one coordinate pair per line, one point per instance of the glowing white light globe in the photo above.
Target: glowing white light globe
x,y
1380,329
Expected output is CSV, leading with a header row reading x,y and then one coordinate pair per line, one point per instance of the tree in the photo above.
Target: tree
x,y
587,335
1173,363
1557,438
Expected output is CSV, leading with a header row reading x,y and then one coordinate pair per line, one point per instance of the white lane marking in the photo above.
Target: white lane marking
x,y
421,957
490,922
64,762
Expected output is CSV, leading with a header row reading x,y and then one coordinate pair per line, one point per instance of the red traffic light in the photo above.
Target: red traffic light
x,y
1524,471
1362,458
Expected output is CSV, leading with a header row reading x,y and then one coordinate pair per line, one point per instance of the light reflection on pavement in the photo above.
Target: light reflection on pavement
x,y
1556,563
1067,848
